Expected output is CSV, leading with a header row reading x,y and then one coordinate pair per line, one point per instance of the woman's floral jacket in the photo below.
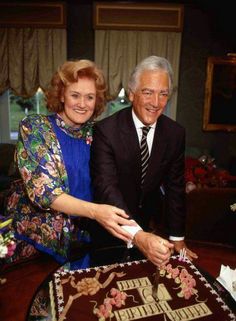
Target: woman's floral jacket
x,y
40,162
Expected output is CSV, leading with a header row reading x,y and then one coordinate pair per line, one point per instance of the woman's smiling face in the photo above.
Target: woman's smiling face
x,y
79,99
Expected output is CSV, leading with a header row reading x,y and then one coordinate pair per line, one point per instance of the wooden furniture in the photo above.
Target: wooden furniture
x,y
209,217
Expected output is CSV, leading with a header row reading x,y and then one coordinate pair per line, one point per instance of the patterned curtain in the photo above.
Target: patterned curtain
x,y
29,57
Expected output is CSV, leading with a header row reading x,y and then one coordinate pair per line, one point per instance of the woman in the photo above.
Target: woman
x,y
52,155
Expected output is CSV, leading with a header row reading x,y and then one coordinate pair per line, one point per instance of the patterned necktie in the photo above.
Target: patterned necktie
x,y
144,152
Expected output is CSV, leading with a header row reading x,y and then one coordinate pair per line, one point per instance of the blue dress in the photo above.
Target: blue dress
x,y
76,156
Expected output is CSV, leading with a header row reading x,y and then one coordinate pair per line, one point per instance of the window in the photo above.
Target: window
x,y
14,108
117,104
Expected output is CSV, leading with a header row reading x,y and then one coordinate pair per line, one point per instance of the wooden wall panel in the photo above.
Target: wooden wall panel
x,y
35,14
138,16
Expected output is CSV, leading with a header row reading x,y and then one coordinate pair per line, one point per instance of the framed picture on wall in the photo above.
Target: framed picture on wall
x,y
220,94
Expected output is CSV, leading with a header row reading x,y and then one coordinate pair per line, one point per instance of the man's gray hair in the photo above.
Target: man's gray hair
x,y
154,63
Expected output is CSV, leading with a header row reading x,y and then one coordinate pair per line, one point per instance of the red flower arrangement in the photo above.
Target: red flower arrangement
x,y
203,172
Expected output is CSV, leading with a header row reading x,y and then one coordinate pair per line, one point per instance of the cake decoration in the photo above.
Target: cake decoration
x,y
123,292
87,286
117,299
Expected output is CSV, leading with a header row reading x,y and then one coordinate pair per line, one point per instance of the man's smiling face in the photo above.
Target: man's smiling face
x,y
151,96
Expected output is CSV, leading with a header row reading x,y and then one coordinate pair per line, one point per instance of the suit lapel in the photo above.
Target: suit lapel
x,y
129,139
128,133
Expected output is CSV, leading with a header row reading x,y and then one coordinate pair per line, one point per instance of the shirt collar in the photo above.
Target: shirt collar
x,y
138,124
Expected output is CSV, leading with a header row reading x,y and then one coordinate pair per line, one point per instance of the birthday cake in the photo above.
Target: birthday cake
x,y
123,292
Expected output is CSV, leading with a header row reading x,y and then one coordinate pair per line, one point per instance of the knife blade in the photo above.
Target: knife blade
x,y
155,284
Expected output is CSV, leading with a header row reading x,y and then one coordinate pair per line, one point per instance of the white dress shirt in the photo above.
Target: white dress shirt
x,y
138,125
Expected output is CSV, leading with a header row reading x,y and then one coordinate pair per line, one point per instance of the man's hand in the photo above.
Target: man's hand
x,y
179,245
155,248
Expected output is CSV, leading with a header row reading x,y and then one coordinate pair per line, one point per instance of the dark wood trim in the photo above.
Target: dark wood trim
x,y
138,16
34,15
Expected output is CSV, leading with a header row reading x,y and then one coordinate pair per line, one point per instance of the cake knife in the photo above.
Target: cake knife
x,y
155,284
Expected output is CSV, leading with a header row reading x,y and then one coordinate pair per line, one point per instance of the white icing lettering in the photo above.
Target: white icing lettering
x,y
122,285
151,309
122,315
182,314
165,306
138,312
125,285
202,308
163,294
191,311
146,294
172,315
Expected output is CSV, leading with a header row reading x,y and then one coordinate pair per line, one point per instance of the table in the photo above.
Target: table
x,y
40,309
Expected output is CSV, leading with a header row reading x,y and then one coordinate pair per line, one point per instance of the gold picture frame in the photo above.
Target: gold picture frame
x,y
220,94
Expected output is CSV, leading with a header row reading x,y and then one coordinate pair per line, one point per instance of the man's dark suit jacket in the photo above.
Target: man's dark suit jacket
x,y
116,172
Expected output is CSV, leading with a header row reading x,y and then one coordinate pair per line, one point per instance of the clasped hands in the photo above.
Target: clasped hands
x,y
155,248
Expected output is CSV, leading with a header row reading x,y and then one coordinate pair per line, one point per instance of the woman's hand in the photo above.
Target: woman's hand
x,y
112,218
